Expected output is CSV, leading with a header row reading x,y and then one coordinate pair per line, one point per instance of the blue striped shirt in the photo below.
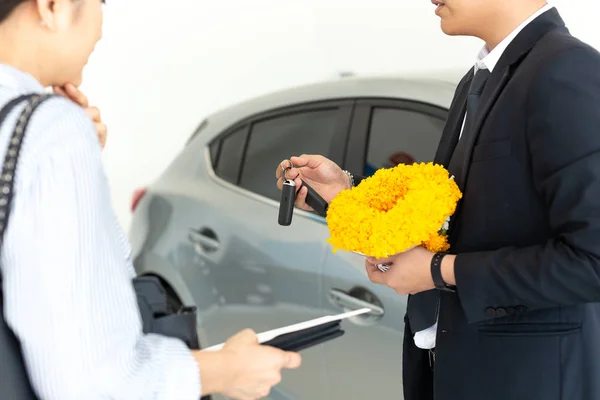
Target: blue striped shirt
x,y
67,270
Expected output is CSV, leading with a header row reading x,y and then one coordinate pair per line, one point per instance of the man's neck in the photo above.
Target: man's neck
x,y
508,21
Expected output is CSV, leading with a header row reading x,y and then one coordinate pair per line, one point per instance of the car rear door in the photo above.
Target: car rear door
x,y
264,275
367,361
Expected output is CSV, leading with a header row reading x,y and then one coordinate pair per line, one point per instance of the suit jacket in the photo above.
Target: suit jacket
x,y
524,323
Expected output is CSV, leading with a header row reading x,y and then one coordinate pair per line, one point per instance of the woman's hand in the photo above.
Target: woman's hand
x,y
320,173
244,369
71,92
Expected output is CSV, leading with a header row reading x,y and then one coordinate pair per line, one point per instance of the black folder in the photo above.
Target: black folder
x,y
306,334
306,338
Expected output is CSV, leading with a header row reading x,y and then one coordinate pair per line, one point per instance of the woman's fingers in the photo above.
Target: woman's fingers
x,y
76,95
94,114
102,132
58,90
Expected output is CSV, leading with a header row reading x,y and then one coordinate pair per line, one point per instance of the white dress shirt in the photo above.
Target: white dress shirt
x,y
486,59
67,271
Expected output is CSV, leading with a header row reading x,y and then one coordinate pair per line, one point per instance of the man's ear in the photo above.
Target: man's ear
x,y
56,15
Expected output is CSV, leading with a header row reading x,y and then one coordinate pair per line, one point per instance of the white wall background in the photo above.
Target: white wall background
x,y
162,66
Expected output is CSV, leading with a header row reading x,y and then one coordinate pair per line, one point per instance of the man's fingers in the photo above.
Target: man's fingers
x,y
285,164
376,261
307,160
301,199
279,171
76,95
293,174
299,161
301,196
298,182
375,275
290,173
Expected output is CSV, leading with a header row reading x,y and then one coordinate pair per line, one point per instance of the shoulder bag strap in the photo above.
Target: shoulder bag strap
x,y
12,155
14,379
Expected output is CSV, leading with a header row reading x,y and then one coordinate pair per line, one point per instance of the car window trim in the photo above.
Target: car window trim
x,y
358,140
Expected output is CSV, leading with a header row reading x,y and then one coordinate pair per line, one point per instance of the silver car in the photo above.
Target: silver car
x,y
208,225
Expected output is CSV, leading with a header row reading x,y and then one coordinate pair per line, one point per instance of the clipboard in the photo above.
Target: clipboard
x,y
304,335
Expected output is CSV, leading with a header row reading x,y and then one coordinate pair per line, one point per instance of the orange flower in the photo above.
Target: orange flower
x,y
394,210
437,243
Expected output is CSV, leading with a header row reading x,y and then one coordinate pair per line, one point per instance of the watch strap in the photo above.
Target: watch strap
x,y
436,273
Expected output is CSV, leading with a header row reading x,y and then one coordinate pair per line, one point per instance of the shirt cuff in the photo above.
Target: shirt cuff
x,y
181,377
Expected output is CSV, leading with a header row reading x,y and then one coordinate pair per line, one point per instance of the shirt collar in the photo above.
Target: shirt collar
x,y
487,59
18,80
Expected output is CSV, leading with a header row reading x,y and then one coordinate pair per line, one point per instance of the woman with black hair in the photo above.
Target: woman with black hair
x,y
65,262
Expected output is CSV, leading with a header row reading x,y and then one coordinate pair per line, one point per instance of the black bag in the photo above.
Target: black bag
x,y
152,299
158,317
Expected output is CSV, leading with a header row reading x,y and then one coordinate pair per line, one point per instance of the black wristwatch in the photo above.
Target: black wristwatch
x,y
436,273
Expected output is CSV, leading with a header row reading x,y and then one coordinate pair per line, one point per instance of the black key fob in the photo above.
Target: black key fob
x,y
286,204
315,200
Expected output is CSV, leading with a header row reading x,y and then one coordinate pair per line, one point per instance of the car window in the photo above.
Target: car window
x,y
214,149
399,136
230,155
275,139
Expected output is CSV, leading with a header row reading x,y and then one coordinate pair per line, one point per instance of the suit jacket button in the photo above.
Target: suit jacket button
x,y
490,312
501,312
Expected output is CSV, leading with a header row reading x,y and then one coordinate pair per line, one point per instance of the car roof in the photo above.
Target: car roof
x,y
432,87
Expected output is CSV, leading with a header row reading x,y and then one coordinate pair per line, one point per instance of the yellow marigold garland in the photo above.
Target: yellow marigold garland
x,y
394,210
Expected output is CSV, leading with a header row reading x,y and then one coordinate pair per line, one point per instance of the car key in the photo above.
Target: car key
x,y
288,198
286,204
315,201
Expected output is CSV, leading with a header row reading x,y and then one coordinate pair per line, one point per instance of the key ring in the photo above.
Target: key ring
x,y
286,169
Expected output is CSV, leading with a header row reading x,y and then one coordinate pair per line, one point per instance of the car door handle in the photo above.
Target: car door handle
x,y
205,240
345,300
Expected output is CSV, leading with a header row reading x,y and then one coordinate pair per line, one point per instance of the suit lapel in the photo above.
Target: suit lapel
x,y
454,122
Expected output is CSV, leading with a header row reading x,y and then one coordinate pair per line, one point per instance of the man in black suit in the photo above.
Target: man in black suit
x,y
513,312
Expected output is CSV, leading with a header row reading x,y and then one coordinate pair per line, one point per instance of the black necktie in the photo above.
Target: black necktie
x,y
473,98
477,85
422,307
